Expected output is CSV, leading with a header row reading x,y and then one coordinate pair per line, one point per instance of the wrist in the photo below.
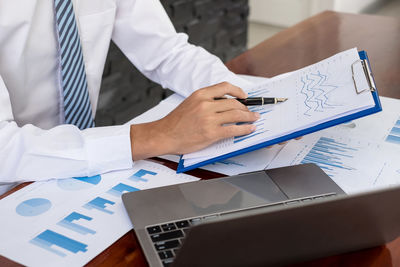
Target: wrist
x,y
148,141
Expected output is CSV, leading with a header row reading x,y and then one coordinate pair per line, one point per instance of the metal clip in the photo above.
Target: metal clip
x,y
368,76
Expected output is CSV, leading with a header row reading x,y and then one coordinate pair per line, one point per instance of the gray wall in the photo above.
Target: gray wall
x,y
220,26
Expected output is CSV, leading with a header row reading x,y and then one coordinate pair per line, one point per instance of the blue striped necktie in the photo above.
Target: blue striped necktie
x,y
77,108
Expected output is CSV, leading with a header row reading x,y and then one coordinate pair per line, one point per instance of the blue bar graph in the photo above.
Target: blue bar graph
x,y
260,109
99,204
330,155
228,162
49,238
393,139
121,188
79,183
138,176
68,222
238,139
94,180
259,124
395,131
259,92
394,135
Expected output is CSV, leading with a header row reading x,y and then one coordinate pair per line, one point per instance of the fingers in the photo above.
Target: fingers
x,y
233,116
220,90
228,104
237,130
226,88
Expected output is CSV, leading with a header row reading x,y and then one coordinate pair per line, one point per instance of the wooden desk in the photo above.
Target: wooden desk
x,y
324,35
305,43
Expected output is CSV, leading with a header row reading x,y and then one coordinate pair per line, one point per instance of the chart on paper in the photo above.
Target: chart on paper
x,y
316,94
354,164
394,135
330,155
68,222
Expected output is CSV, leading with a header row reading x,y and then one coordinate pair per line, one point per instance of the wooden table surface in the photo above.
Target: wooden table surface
x,y
305,43
324,35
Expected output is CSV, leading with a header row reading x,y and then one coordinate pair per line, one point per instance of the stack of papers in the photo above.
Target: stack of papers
x,y
361,155
68,222
318,93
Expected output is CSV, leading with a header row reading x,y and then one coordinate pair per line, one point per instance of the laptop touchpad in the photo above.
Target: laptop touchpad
x,y
237,192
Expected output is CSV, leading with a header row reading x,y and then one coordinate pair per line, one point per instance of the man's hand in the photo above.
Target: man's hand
x,y
196,123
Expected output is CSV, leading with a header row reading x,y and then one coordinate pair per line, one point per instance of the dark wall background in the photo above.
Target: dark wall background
x,y
220,26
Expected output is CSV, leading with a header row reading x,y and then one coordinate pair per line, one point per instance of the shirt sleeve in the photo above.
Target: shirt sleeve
x,y
146,35
29,153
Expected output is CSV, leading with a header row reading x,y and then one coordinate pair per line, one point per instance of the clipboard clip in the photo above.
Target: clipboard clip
x,y
368,76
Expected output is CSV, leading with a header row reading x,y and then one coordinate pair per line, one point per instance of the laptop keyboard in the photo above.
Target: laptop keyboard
x,y
168,238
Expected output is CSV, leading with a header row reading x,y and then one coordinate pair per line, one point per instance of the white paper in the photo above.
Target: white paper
x,y
85,216
381,126
371,159
317,93
355,164
248,162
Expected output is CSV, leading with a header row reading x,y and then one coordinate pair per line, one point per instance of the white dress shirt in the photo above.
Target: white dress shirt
x,y
34,145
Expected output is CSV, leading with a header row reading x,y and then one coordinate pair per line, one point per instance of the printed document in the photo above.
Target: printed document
x,y
359,156
68,222
318,93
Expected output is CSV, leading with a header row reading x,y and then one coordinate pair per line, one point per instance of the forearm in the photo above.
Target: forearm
x,y
29,153
148,140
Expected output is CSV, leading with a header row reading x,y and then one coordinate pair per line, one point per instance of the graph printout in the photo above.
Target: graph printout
x,y
381,127
316,94
68,222
394,135
355,164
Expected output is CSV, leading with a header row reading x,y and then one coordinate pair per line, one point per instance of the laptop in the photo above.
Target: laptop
x,y
266,218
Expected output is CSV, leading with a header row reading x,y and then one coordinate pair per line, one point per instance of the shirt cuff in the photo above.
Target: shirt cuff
x,y
108,149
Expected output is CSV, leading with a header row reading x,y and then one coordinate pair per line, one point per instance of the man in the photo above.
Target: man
x,y
52,54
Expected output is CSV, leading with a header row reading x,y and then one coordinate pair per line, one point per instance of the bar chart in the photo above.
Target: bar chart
x,y
394,135
258,131
330,155
140,175
48,239
121,188
228,162
79,183
60,223
69,223
258,92
262,110
100,204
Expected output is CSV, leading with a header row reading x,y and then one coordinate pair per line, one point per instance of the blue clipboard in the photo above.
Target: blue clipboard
x,y
378,107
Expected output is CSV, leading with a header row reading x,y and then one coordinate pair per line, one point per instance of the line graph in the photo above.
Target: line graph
x,y
316,93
